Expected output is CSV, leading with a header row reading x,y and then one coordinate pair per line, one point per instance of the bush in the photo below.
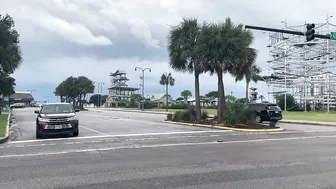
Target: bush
x,y
236,114
178,106
169,116
149,105
204,115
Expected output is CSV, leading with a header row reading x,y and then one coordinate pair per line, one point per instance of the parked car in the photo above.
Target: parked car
x,y
17,105
266,111
56,118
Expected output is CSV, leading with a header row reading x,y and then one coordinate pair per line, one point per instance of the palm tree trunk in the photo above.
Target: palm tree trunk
x,y
221,97
246,91
166,98
197,97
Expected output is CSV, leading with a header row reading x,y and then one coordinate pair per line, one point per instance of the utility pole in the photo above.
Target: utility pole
x,y
99,92
143,85
328,76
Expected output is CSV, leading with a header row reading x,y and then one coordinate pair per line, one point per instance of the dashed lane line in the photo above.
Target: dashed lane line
x,y
159,145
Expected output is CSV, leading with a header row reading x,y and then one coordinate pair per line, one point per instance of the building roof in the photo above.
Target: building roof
x,y
118,72
22,95
124,88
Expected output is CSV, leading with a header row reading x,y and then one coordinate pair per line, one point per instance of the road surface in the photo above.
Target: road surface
x,y
119,151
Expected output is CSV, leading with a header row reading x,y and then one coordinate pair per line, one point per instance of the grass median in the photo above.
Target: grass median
x,y
303,116
3,124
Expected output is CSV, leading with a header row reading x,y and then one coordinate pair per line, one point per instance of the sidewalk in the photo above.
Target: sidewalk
x,y
282,121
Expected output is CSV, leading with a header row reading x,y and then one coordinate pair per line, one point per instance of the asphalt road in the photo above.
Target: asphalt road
x,y
134,150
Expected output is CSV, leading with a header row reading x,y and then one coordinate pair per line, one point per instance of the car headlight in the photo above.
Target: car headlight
x,y
43,119
73,118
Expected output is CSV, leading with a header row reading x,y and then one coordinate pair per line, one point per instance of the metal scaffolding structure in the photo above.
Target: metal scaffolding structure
x,y
306,70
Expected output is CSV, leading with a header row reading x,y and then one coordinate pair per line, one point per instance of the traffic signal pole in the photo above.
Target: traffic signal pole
x,y
327,36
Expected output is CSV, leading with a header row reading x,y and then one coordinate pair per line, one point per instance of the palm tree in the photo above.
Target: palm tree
x,y
186,94
167,80
223,47
182,42
248,70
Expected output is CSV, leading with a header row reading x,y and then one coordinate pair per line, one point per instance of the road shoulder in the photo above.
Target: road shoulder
x,y
6,131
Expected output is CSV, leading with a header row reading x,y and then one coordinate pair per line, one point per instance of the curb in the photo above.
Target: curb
x,y
226,128
5,138
137,111
309,123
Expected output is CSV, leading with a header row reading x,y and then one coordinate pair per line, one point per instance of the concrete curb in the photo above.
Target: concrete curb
x,y
5,138
226,128
330,124
137,111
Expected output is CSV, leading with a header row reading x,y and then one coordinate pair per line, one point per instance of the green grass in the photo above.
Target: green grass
x,y
310,116
304,116
3,124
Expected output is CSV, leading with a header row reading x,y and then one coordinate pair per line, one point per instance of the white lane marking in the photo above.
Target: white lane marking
x,y
160,145
119,135
95,131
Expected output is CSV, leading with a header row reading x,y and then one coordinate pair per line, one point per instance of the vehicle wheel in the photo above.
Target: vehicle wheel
x,y
75,134
258,119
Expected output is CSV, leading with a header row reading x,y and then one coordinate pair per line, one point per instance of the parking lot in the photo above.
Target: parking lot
x,y
103,123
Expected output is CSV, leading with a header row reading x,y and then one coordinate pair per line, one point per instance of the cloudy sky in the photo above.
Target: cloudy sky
x,y
62,38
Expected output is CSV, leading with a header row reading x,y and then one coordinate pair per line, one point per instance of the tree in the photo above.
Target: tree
x,y
167,80
212,95
182,43
10,54
291,103
186,94
74,90
94,99
249,71
223,47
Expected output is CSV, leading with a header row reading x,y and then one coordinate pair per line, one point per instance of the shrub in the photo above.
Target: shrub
x,y
170,116
204,115
177,116
236,114
149,105
178,106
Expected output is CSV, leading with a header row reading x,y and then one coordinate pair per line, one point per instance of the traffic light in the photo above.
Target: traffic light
x,y
310,32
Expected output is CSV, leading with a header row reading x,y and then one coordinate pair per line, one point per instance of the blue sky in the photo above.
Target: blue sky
x,y
93,38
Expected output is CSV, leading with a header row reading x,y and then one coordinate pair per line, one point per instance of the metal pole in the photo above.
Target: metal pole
x,y
143,85
101,91
98,95
285,81
328,99
143,91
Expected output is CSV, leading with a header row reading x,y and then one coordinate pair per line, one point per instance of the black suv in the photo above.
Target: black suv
x,y
56,118
265,111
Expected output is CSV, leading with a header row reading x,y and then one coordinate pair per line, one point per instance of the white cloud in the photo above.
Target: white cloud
x,y
103,22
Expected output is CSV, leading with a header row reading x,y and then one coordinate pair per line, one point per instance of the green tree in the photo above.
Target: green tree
x,y
182,43
291,103
167,80
10,54
212,95
94,99
223,47
74,90
248,70
186,94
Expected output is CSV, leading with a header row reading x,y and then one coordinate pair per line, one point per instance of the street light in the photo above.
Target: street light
x,y
143,84
99,89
